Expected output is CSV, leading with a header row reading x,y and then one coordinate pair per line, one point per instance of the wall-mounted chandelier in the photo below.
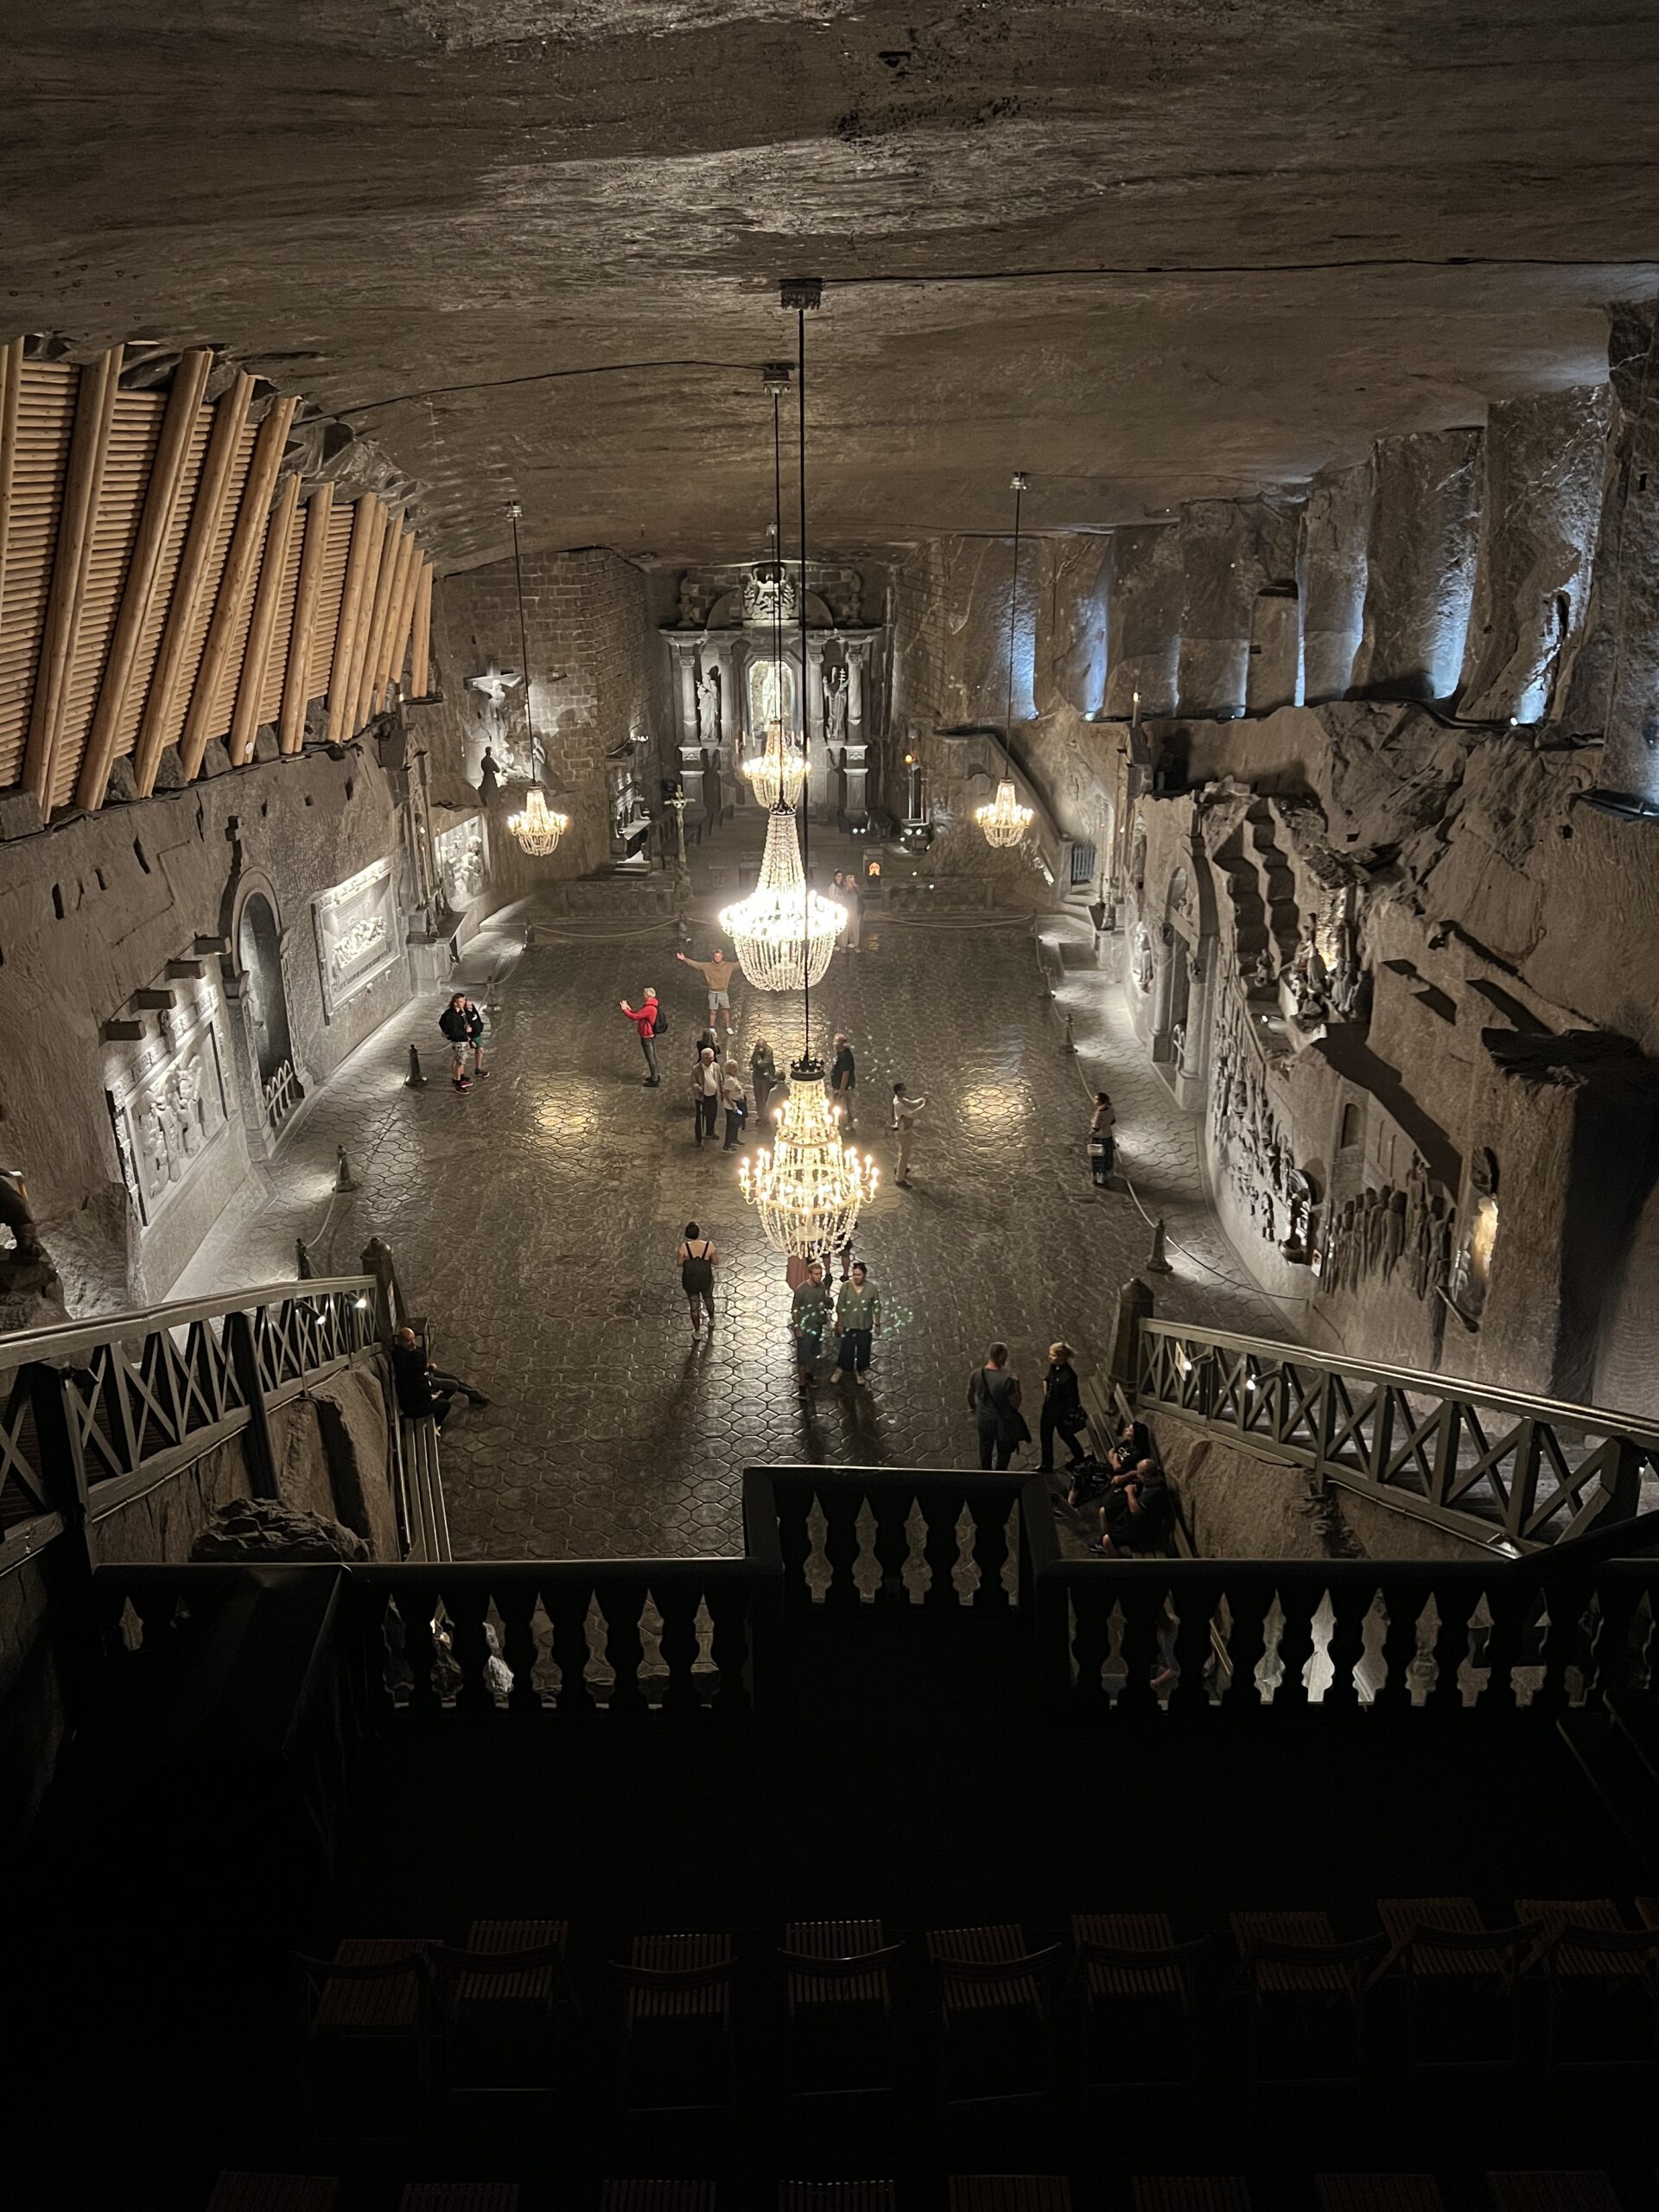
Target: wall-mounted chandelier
x,y
1005,822
538,829
810,1188
784,933
778,772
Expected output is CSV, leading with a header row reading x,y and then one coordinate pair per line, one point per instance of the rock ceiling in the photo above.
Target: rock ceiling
x,y
1149,249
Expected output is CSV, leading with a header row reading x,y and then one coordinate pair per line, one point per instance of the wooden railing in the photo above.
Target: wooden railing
x,y
1484,1463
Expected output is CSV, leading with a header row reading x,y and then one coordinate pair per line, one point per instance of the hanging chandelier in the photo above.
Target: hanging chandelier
x,y
777,774
1005,822
784,933
809,1189
538,829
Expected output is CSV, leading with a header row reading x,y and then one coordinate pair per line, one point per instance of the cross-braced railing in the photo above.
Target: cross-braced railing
x,y
1484,1462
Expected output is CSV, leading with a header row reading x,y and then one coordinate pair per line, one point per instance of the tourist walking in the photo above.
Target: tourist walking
x,y
843,1080
734,1099
905,1110
763,1074
705,1093
717,972
1102,1144
698,1259
463,1025
809,1317
993,1402
1062,1414
858,1317
650,1022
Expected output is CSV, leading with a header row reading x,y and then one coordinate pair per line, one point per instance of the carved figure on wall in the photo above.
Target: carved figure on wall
x,y
709,705
1178,1045
768,594
834,706
489,778
1306,980
185,1097
1140,960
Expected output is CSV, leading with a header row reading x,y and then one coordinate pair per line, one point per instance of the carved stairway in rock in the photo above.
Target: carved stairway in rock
x,y
1257,873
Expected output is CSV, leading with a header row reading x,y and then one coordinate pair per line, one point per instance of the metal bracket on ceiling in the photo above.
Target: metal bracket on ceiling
x,y
806,292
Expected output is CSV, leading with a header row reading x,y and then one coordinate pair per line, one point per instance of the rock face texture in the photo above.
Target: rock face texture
x,y
1628,610
255,1530
1331,571
1418,564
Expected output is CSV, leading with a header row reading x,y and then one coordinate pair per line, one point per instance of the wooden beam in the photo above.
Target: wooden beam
x,y
367,521
247,538
391,553
297,681
89,446
400,577
11,388
403,618
267,599
138,592
420,666
212,488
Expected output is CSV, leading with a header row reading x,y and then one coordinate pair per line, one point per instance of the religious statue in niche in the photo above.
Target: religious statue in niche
x,y
460,853
709,705
489,778
1140,961
835,708
1304,985
772,696
1471,1272
768,594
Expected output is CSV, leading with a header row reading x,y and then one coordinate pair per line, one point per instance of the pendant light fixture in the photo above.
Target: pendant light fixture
x,y
777,773
538,829
810,1188
1005,822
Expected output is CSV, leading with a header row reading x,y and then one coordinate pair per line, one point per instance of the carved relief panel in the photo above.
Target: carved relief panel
x,y
357,936
167,1102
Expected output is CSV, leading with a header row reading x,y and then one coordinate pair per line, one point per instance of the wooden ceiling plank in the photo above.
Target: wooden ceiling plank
x,y
367,521
138,597
395,626
100,381
402,621
247,539
11,387
267,602
369,643
297,681
420,668
201,539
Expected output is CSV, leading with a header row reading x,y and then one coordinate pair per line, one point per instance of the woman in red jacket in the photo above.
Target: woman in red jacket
x,y
646,1022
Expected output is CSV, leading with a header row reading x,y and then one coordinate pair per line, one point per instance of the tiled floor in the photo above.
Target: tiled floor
x,y
536,1220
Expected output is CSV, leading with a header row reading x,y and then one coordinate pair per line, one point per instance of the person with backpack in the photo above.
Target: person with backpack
x,y
650,1022
463,1025
993,1402
698,1260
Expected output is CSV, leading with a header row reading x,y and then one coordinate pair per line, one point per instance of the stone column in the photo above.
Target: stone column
x,y
1218,585
684,650
1420,565
1539,513
854,649
854,760
1144,625
1276,663
812,689
1331,571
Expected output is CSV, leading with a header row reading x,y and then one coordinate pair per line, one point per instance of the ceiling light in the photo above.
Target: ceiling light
x,y
538,829
1005,822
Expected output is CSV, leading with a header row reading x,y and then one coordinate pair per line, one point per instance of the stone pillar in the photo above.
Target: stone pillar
x,y
855,766
1218,578
817,722
1614,682
854,649
1146,597
684,650
1275,665
1420,565
1136,1304
1539,513
1331,571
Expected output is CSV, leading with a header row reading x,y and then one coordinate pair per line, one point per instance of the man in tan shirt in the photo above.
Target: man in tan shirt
x,y
717,973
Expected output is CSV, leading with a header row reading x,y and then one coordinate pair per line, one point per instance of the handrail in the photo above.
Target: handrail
x,y
52,1341
1557,1412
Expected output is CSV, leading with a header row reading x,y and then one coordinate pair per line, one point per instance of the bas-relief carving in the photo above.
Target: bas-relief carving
x,y
459,855
834,706
357,934
166,1104
1381,1234
709,704
1250,1143
1141,957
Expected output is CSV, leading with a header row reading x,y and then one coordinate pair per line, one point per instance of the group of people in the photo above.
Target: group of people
x,y
463,1024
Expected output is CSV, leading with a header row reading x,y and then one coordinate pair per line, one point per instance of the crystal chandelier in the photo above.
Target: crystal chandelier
x,y
810,1188
784,933
1005,822
537,829
777,774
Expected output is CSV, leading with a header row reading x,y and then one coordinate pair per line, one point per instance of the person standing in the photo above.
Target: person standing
x,y
463,1025
843,1080
905,1110
734,1099
698,1259
852,938
993,1402
705,1093
763,1074
648,1023
809,1317
1063,1413
717,972
1102,1145
858,1316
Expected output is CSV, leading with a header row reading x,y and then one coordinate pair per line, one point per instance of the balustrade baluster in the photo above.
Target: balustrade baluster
x,y
1194,1643
1141,1603
1298,1601
1403,1599
1349,1604
730,1611
622,1602
942,1506
565,1606
515,1600
1250,1601
1610,1659
991,1548
892,1508
1091,1640
678,1599
1453,1606
792,1497
1507,1606
840,1502
417,1604
466,1603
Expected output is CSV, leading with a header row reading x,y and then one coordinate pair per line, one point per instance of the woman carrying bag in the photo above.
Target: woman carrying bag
x,y
993,1402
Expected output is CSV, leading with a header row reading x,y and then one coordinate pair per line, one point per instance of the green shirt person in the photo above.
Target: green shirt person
x,y
858,1316
809,1317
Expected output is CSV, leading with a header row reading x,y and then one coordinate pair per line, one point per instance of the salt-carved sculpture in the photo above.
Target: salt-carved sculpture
x,y
709,705
835,706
